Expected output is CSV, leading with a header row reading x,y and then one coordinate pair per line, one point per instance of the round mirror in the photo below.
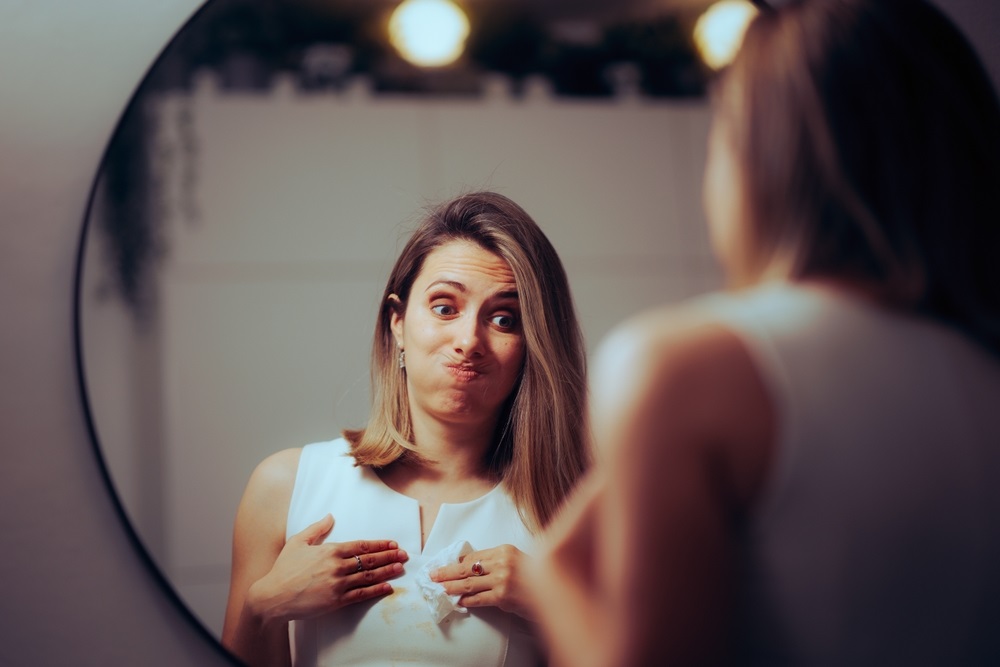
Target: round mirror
x,y
260,184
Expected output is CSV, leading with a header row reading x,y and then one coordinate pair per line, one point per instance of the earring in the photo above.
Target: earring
x,y
402,359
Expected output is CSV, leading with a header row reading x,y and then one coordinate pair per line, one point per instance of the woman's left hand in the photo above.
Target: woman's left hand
x,y
489,578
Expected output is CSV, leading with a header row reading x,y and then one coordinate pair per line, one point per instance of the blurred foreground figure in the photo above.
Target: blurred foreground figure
x,y
805,469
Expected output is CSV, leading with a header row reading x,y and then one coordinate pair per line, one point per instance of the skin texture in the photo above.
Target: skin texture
x,y
464,352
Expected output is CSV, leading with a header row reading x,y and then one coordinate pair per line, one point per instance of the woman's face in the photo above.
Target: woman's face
x,y
462,335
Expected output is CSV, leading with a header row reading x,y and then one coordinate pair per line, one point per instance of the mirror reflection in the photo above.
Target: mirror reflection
x,y
265,176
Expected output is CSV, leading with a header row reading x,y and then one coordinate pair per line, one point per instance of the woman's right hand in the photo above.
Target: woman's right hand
x,y
276,579
310,577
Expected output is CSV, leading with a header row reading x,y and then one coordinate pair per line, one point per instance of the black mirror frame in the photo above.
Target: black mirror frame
x,y
136,540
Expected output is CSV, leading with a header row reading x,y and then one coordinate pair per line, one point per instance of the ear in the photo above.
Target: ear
x,y
396,318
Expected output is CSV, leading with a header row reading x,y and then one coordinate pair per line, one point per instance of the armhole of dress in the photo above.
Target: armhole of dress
x,y
765,359
297,486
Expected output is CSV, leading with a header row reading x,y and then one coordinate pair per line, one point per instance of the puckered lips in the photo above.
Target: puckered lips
x,y
465,371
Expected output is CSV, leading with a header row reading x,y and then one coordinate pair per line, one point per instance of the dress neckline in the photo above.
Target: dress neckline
x,y
444,516
381,482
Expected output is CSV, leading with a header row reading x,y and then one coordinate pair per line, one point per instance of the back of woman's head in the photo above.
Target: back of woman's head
x,y
868,136
541,447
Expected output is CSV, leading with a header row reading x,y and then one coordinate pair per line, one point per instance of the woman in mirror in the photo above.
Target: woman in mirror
x,y
805,468
405,540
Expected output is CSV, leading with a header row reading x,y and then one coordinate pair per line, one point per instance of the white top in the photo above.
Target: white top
x,y
878,537
399,629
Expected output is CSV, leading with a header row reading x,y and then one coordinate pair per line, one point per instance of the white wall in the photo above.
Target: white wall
x,y
72,588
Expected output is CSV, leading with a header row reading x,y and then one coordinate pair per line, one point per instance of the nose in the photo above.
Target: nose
x,y
468,337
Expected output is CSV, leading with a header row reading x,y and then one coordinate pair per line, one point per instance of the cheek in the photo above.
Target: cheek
x,y
423,333
513,354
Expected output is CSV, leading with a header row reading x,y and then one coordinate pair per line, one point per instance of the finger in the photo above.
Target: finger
x,y
447,573
493,599
367,578
315,532
481,599
358,563
363,593
468,585
361,547
462,569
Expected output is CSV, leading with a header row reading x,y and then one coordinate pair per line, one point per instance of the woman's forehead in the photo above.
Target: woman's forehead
x,y
465,265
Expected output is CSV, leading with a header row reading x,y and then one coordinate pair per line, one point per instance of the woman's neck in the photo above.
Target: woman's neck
x,y
452,452
451,468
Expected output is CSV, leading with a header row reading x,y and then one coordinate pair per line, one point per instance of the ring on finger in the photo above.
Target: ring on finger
x,y
360,566
477,568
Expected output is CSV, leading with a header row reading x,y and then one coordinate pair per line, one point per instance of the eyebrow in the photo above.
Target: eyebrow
x,y
506,294
450,283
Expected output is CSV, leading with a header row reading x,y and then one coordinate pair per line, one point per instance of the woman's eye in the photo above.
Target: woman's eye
x,y
443,309
504,321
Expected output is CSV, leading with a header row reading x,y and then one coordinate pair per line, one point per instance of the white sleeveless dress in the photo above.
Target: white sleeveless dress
x,y
877,539
400,629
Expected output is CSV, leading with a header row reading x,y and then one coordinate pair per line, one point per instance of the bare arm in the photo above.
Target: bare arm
x,y
686,430
258,537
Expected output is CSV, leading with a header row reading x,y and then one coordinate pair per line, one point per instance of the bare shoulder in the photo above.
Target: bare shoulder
x,y
677,377
668,347
277,472
269,491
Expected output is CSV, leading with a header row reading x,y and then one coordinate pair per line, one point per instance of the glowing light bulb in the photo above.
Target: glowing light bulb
x,y
429,33
718,32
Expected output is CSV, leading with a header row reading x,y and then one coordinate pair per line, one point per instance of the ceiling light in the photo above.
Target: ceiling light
x,y
429,33
718,32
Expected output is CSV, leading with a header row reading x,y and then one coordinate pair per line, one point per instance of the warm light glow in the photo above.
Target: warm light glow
x,y
429,33
719,31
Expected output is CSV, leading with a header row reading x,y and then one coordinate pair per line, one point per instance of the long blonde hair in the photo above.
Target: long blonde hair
x,y
541,447
868,136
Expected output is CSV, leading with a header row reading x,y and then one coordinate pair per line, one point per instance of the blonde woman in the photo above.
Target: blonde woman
x,y
475,438
805,469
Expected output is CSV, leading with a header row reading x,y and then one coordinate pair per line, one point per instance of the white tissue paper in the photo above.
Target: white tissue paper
x,y
438,601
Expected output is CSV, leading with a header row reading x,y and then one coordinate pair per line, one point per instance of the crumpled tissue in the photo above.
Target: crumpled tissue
x,y
438,601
